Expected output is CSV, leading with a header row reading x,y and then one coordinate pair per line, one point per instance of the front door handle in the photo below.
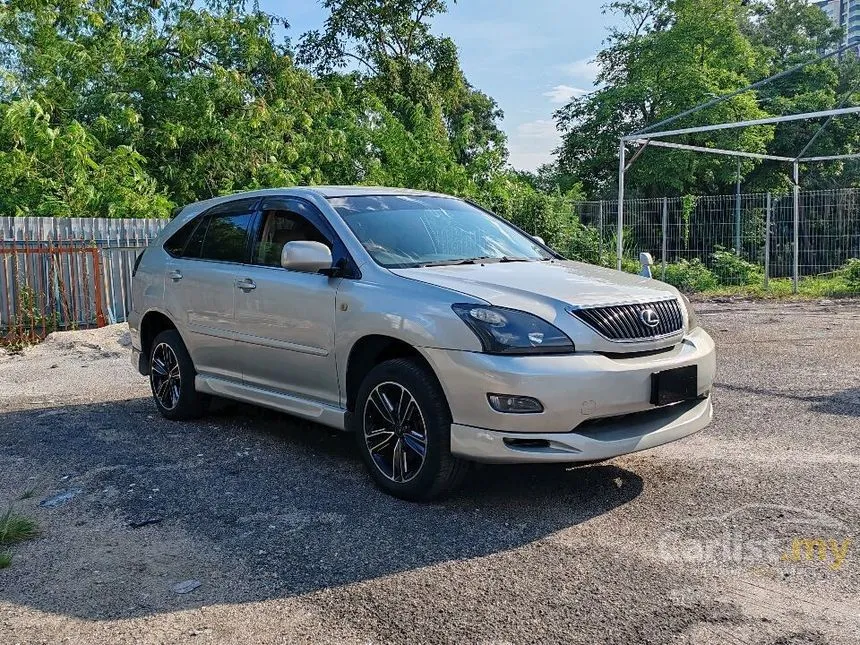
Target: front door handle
x,y
175,275
246,285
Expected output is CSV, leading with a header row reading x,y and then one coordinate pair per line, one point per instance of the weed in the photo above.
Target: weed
x,y
15,528
851,273
732,269
690,276
833,286
31,491
5,559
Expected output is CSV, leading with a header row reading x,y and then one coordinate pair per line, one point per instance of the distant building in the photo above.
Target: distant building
x,y
846,14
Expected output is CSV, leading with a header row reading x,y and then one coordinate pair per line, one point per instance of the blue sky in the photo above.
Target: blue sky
x,y
529,55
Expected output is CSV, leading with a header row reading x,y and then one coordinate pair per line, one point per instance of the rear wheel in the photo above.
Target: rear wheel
x,y
171,377
403,431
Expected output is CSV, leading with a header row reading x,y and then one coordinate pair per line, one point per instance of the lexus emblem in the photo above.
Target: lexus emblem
x,y
649,317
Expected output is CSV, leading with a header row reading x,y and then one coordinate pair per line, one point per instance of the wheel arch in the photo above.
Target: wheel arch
x,y
371,350
152,324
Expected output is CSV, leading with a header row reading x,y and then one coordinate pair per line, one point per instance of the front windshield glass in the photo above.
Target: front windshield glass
x,y
401,231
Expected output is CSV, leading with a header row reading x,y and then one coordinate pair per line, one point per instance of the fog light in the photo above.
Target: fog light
x,y
510,404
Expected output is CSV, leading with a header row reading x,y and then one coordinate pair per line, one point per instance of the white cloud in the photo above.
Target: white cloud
x,y
540,129
531,144
563,93
584,70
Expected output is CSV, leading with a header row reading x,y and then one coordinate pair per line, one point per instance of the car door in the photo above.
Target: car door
x,y
285,318
200,286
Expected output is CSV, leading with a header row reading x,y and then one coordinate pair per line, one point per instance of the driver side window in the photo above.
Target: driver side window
x,y
279,227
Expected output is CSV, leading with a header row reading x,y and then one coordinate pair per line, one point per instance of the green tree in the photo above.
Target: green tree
x,y
787,33
397,57
674,55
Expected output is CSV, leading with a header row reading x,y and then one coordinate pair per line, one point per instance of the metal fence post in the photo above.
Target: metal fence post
x,y
600,232
622,167
664,250
767,244
738,213
796,267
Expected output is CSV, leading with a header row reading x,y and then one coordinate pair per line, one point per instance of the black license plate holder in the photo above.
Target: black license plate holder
x,y
675,385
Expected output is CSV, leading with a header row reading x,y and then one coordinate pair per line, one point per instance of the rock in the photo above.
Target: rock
x,y
60,498
136,524
52,413
186,586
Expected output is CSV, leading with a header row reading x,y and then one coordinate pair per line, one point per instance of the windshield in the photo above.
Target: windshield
x,y
401,231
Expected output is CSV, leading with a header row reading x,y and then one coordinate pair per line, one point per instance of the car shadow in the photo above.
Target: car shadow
x,y
254,504
843,403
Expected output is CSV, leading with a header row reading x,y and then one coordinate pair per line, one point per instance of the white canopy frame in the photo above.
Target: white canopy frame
x,y
647,137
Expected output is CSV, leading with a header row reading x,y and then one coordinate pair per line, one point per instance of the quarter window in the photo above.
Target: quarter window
x,y
177,242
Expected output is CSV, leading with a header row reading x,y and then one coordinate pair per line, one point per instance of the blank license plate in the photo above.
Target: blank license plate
x,y
672,386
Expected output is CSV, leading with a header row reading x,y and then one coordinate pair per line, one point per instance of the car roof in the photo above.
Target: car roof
x,y
299,191
353,191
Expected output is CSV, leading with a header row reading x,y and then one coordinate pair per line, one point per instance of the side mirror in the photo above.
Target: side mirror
x,y
647,262
310,257
539,239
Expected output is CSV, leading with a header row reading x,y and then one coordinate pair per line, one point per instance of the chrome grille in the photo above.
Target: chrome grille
x,y
624,322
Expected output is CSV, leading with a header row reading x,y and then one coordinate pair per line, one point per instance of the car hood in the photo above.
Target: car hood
x,y
527,285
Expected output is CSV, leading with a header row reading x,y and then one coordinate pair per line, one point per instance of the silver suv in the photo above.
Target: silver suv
x,y
437,332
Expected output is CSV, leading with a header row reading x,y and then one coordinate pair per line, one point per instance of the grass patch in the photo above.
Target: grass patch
x,y
783,288
15,528
5,559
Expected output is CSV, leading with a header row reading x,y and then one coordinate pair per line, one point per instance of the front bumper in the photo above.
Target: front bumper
x,y
575,390
605,440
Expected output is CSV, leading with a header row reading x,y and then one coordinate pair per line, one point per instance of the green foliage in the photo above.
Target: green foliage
x,y
15,528
126,108
851,273
688,207
28,313
690,276
672,55
832,286
65,171
731,269
675,55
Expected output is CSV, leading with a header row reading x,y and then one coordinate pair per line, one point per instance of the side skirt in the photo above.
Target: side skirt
x,y
327,415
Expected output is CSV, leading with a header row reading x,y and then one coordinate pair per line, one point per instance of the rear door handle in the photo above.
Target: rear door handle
x,y
246,285
175,275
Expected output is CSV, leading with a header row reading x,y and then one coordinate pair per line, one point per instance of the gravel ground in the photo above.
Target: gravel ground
x,y
688,543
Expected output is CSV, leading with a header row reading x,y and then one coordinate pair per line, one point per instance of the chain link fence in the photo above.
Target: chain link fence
x,y
732,240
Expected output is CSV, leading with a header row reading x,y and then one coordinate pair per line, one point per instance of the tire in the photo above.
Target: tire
x,y
171,378
385,428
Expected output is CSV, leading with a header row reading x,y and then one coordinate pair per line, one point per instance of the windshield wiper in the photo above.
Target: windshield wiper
x,y
441,263
481,259
506,258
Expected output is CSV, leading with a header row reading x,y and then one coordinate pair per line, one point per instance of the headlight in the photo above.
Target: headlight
x,y
508,331
692,318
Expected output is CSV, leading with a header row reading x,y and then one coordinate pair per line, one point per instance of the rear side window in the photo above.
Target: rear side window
x,y
226,238
221,233
195,242
176,244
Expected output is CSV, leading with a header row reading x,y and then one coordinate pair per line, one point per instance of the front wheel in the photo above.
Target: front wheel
x,y
403,431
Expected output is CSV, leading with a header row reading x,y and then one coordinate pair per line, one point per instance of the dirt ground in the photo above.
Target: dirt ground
x,y
744,533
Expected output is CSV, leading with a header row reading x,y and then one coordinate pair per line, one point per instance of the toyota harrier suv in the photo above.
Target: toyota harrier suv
x,y
435,331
